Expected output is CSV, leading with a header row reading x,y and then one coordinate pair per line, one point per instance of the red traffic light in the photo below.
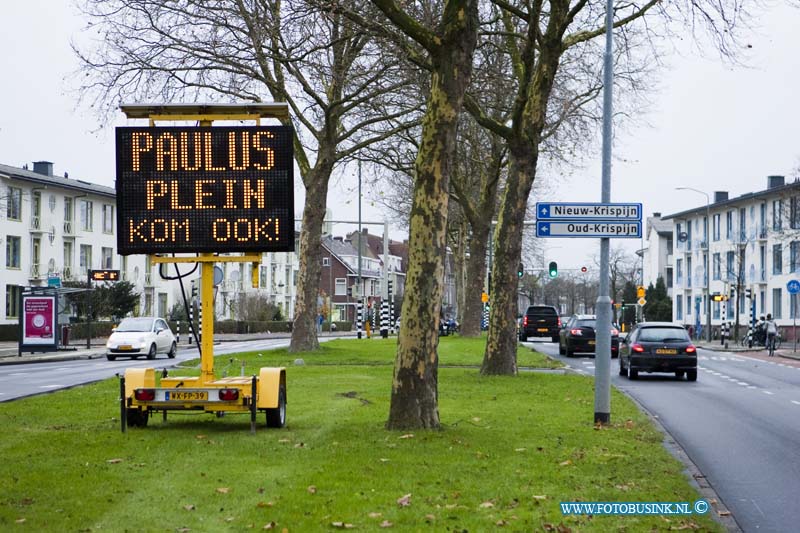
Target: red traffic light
x,y
584,269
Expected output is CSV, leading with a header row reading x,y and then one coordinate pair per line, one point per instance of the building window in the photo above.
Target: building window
x,y
14,204
715,310
669,278
669,245
742,224
777,259
341,287
689,272
108,218
106,260
13,247
794,212
730,273
86,215
777,215
679,308
85,261
729,225
13,293
326,261
794,256
776,303
792,306
262,282
688,304
717,265
762,222
716,226
679,271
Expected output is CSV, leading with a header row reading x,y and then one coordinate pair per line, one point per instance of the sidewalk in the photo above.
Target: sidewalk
x,y
786,351
9,350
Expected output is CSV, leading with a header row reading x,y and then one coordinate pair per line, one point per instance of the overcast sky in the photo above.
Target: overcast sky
x,y
712,127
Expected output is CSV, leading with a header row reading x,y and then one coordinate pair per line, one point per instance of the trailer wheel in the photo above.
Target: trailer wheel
x,y
137,417
276,418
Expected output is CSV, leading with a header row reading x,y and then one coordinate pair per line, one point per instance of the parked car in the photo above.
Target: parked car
x,y
579,335
658,347
148,336
540,321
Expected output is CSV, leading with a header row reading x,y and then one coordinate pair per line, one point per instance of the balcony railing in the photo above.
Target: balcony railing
x,y
66,274
762,234
68,227
36,223
148,279
35,271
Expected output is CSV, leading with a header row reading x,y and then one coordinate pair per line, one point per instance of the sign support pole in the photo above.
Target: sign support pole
x,y
207,340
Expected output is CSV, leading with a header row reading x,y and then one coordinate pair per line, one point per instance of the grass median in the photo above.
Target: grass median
x,y
510,450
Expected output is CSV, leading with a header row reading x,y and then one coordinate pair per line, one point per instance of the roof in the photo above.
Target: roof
x,y
739,200
660,225
58,181
341,249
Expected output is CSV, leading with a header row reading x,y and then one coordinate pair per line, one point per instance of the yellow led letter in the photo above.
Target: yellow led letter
x,y
199,194
245,150
209,164
166,146
197,147
257,193
137,147
154,189
269,154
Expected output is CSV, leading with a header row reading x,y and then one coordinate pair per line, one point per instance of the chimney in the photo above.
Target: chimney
x,y
774,181
720,196
656,215
45,168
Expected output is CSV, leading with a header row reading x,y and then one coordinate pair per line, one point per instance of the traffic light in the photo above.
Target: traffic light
x,y
194,291
717,297
622,303
584,269
553,269
520,270
733,291
748,293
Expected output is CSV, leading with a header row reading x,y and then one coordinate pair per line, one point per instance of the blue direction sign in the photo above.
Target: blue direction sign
x,y
588,211
589,228
793,287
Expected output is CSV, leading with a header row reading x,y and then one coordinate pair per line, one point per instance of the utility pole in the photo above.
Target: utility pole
x,y
602,375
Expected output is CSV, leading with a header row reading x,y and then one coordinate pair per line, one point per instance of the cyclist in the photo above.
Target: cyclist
x,y
772,330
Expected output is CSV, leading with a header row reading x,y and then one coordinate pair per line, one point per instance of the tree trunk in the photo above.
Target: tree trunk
x,y
500,357
476,274
414,401
304,327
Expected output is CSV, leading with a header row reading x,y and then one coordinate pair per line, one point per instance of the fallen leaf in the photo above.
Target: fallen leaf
x,y
270,525
283,441
539,497
375,515
404,501
724,513
230,519
407,436
383,460
520,449
312,489
486,505
300,445
20,520
223,490
264,504
183,530
430,517
565,463
200,436
501,523
114,461
629,424
386,523
476,419
342,525
189,507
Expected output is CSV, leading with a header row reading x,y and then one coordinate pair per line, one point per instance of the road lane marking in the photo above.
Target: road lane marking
x,y
19,373
49,386
795,402
751,386
767,392
741,383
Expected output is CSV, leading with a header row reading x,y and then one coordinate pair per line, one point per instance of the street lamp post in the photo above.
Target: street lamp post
x,y
709,228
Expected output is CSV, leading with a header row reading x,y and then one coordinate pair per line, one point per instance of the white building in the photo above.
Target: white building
x,y
55,226
658,253
752,244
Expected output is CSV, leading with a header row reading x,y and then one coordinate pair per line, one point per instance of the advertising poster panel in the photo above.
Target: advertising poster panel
x,y
39,320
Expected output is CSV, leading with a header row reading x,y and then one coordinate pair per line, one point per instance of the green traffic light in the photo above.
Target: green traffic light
x,y
553,268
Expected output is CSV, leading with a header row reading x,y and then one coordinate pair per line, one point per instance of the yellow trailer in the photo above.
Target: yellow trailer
x,y
227,209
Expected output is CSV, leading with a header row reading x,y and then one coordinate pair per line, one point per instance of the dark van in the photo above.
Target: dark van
x,y
540,321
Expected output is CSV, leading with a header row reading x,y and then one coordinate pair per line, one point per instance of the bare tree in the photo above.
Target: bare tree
x,y
343,90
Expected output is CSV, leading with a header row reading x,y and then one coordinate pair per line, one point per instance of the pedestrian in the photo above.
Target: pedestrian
x,y
772,330
320,320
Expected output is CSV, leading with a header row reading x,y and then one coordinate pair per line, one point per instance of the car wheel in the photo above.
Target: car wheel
x,y
276,418
560,349
111,357
691,375
554,338
152,353
567,351
172,350
679,374
523,338
622,370
633,373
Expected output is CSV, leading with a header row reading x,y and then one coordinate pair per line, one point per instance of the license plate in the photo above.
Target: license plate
x,y
541,329
591,343
186,396
666,351
125,347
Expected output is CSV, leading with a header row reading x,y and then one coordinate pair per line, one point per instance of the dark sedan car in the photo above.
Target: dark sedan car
x,y
579,336
658,347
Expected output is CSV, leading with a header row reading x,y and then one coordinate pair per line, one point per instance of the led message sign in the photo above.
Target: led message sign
x,y
205,189
104,275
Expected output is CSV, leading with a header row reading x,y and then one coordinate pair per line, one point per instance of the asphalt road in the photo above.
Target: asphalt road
x,y
739,423
18,381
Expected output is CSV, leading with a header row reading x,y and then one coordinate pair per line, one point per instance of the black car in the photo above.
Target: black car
x,y
578,335
540,321
658,347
